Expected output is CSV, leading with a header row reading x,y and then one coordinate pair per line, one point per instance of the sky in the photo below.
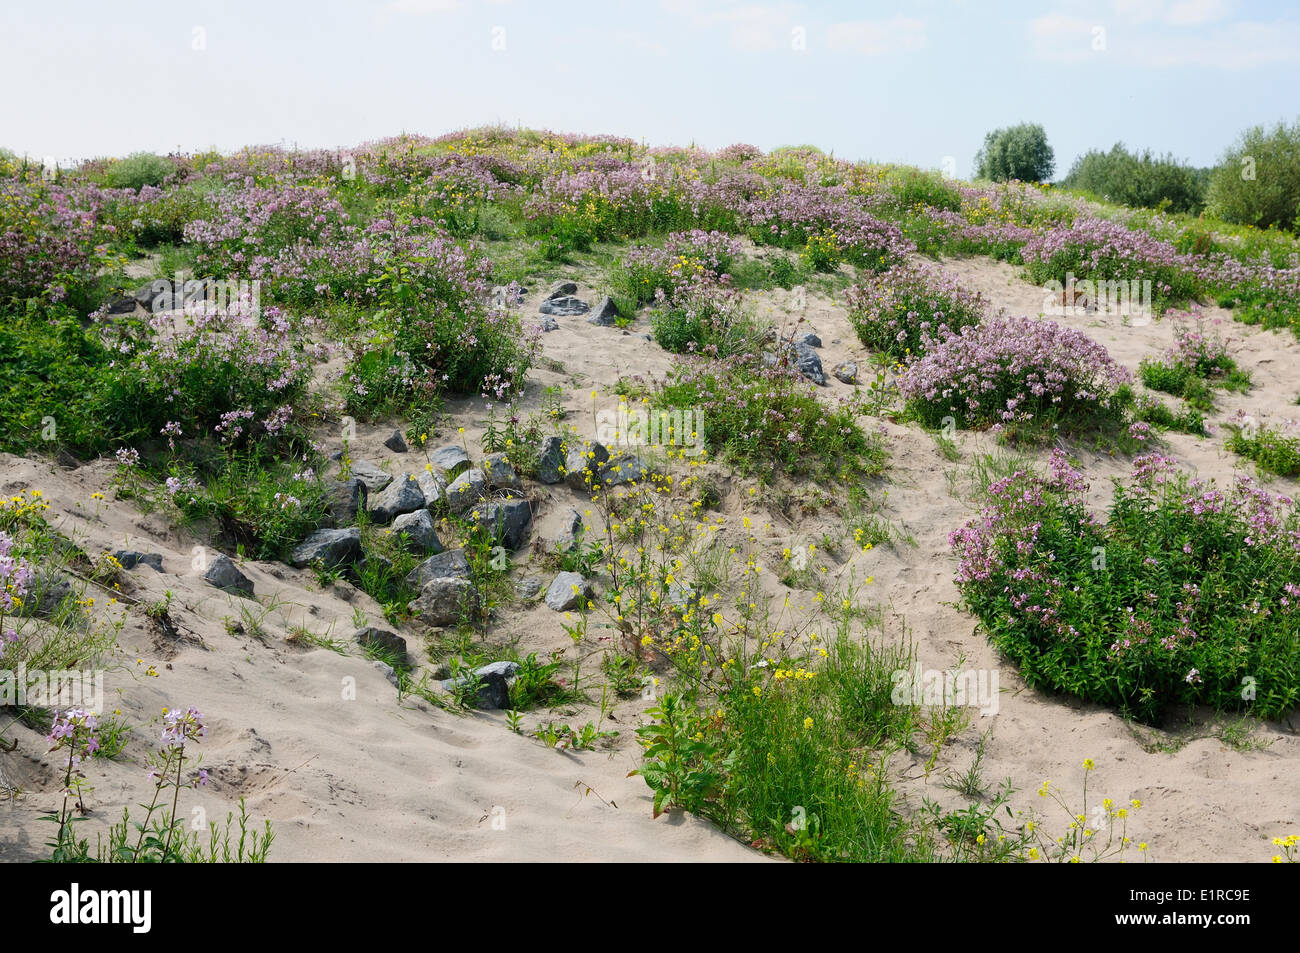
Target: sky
x,y
919,83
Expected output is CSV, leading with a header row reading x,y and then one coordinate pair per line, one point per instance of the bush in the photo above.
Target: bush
x,y
1258,180
1128,178
138,170
900,310
1028,376
763,417
1185,595
1019,152
1097,250
1272,450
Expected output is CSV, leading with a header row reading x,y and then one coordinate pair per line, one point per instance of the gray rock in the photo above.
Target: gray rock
x,y
129,559
809,364
623,468
344,499
374,478
443,600
567,591
389,642
450,461
332,547
402,496
549,324
431,485
583,464
122,305
565,306
507,520
528,587
809,338
158,296
573,531
846,372
493,681
396,442
467,489
605,312
225,575
500,472
449,564
550,461
561,289
389,672
418,527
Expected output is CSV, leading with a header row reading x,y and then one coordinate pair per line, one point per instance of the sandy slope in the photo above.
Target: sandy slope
x,y
375,779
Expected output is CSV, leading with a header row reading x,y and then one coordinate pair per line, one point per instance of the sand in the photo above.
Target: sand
x,y
378,778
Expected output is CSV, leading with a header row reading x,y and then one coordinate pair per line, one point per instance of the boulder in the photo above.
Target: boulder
x,y
507,521
500,472
809,364
402,496
561,289
396,442
549,324
451,563
550,460
421,537
332,547
846,372
564,306
583,463
449,461
528,587
344,499
605,313
567,591
494,681
809,338
129,559
225,575
388,642
466,490
443,600
371,476
431,485
623,468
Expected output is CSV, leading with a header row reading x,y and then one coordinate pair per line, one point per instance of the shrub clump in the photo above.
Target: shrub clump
x,y
898,311
1186,594
1026,376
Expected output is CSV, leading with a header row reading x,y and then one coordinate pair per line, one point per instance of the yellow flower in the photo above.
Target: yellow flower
x,y
1089,764
807,723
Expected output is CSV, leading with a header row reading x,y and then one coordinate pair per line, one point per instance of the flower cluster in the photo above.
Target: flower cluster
x,y
1019,373
898,311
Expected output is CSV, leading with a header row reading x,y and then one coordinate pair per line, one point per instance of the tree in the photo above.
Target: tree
x,y
1020,152
1142,180
1258,180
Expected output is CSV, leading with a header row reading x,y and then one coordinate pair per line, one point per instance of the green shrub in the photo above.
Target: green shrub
x,y
1272,450
1185,594
137,170
1135,179
1258,180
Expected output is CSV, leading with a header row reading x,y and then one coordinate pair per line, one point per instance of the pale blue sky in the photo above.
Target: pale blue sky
x,y
902,82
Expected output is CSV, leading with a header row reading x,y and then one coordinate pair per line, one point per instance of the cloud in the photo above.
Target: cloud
x,y
876,37
1065,39
751,27
422,6
1195,12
